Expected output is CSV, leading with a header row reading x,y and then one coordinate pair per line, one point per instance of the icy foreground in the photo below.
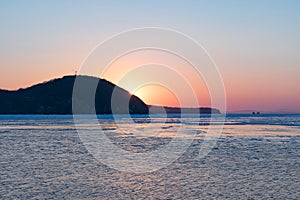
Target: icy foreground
x,y
42,157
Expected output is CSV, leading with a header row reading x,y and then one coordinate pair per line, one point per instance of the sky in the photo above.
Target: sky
x,y
255,44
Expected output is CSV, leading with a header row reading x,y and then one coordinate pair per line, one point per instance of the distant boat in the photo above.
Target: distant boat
x,y
255,113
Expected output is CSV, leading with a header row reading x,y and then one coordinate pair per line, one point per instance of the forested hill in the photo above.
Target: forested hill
x,y
55,97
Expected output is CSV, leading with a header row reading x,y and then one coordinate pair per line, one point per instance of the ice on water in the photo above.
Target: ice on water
x,y
42,157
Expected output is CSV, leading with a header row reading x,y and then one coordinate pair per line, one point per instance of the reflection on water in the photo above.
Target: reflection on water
x,y
42,157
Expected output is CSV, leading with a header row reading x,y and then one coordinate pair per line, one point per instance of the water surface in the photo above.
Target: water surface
x,y
42,157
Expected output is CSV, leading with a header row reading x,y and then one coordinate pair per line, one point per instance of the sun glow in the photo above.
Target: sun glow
x,y
163,96
159,78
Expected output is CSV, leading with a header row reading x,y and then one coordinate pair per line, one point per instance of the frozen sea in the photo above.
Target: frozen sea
x,y
255,157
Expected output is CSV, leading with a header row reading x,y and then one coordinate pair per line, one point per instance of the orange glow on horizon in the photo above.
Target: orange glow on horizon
x,y
162,97
179,81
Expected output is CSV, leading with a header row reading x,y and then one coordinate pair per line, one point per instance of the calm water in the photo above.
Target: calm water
x,y
255,157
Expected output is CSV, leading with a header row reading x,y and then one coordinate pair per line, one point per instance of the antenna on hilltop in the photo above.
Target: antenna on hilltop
x,y
75,72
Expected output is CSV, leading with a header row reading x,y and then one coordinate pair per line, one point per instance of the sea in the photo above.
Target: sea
x,y
233,156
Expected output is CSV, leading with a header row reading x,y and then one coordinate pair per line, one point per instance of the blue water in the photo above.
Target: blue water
x,y
255,157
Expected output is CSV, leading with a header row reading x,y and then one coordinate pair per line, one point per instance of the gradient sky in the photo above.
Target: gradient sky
x,y
255,44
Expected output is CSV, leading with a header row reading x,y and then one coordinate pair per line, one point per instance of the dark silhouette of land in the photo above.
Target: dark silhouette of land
x,y
175,110
56,97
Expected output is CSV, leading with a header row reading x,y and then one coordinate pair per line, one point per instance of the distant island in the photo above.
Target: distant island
x,y
175,110
55,97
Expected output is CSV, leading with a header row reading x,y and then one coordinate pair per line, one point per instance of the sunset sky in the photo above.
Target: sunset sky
x,y
255,44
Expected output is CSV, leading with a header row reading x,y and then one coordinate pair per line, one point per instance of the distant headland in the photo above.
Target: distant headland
x,y
175,110
55,97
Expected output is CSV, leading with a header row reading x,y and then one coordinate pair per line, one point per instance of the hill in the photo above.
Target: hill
x,y
176,110
55,97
